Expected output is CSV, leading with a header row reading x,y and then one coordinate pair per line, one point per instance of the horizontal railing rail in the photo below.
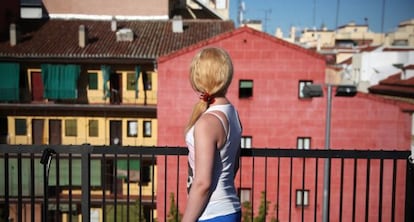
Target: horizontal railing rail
x,y
274,184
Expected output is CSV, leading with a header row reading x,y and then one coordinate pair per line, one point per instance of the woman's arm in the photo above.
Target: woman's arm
x,y
206,137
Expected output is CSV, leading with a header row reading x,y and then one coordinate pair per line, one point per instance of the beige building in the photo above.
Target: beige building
x,y
403,36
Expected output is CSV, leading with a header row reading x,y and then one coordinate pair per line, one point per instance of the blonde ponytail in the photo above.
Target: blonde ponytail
x,y
211,72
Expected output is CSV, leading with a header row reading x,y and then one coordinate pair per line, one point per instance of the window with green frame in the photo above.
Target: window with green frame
x,y
20,127
71,127
93,80
131,81
93,128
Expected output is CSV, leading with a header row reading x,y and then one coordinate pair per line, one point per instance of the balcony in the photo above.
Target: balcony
x,y
110,183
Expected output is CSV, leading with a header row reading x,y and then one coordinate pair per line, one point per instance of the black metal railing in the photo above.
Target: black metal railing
x,y
148,184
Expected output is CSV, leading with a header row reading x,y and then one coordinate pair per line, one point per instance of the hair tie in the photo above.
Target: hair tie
x,y
209,99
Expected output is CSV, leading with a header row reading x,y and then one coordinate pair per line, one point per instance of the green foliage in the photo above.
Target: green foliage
x,y
264,206
263,210
246,211
173,215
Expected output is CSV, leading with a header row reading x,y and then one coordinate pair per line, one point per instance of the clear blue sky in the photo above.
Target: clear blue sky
x,y
314,13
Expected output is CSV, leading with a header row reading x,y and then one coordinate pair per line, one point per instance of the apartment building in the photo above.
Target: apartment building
x,y
86,73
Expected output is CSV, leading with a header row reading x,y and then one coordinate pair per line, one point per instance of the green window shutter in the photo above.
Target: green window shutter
x,y
93,81
71,127
76,172
131,81
134,169
93,128
106,74
9,81
60,81
20,127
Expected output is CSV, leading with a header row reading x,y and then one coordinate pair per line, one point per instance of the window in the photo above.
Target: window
x,y
246,142
71,127
147,80
303,143
132,129
147,128
131,81
245,88
303,83
20,127
302,198
93,81
245,195
93,128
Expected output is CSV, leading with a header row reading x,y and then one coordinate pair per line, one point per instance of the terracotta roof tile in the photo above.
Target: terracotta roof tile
x,y
59,39
394,86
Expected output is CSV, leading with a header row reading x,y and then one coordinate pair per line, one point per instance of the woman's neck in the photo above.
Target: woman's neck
x,y
220,101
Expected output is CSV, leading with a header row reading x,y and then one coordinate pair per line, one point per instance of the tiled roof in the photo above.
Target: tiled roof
x,y
59,39
395,86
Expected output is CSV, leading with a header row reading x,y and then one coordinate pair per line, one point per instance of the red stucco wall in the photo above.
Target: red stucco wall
x,y
274,116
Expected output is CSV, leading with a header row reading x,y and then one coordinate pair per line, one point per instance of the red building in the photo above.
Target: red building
x,y
269,74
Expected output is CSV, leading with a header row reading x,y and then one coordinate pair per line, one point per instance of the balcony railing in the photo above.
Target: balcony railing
x,y
148,184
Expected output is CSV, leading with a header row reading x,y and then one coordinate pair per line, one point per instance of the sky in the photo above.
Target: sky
x,y
314,13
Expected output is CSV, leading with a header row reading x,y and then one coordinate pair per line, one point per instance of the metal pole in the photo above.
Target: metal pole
x,y
326,178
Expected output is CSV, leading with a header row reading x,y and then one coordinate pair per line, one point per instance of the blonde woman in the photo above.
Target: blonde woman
x,y
213,139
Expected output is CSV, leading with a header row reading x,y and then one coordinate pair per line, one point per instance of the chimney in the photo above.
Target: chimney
x,y
83,36
177,24
114,25
14,34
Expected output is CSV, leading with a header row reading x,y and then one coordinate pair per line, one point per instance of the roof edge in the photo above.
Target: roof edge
x,y
237,31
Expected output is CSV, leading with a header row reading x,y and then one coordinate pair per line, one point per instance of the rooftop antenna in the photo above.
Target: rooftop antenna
x,y
337,14
240,14
267,13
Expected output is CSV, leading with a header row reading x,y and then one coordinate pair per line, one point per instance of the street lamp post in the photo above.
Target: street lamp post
x,y
314,90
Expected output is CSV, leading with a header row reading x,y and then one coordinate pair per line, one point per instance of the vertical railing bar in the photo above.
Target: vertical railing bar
x,y
177,188
380,189
103,181
70,186
86,182
153,185
303,189
32,187
128,186
140,186
57,187
252,182
165,186
341,190
316,190
329,160
19,188
6,185
115,167
394,181
408,188
354,189
278,188
290,189
265,190
367,190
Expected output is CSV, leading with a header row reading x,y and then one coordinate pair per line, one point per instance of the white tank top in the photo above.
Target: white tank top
x,y
224,199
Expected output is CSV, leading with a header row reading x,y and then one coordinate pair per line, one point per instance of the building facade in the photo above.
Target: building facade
x,y
268,76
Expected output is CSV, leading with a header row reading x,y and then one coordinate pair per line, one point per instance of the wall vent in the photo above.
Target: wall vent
x,y
125,35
